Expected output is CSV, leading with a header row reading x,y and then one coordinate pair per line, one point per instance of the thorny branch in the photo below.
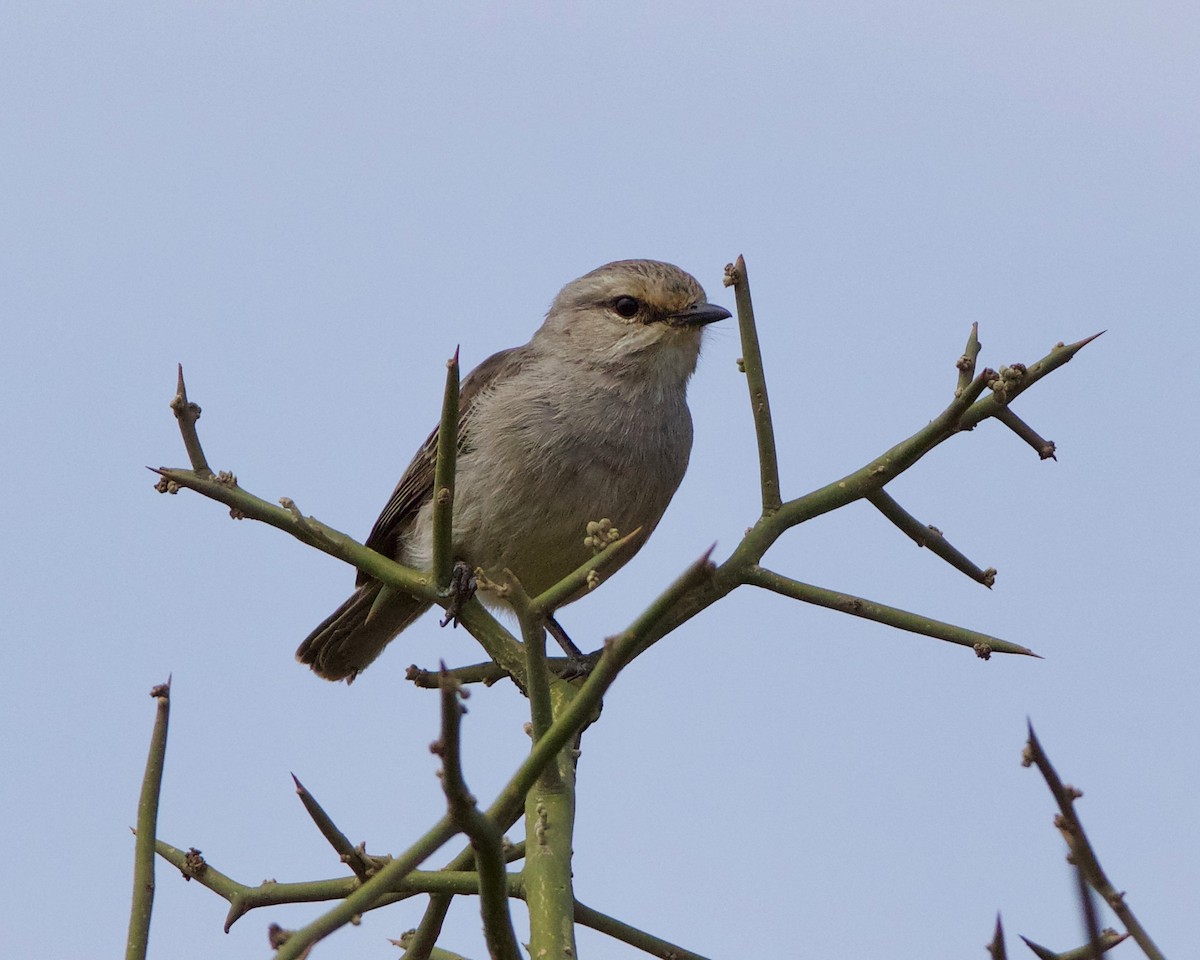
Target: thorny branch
x,y
379,881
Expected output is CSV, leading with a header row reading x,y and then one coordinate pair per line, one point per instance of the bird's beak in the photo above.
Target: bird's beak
x,y
699,314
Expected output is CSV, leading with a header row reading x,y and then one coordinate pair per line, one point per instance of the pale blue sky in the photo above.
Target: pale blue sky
x,y
310,206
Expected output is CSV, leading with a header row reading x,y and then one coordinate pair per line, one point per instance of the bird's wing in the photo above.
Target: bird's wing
x,y
416,485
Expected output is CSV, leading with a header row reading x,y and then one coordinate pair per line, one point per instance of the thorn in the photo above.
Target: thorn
x,y
1074,348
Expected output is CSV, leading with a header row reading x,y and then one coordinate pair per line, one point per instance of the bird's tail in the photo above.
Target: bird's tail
x,y
356,632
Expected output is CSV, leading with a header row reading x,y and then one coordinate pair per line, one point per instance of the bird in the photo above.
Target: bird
x,y
587,421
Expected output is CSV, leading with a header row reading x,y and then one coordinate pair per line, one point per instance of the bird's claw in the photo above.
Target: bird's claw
x,y
579,667
462,588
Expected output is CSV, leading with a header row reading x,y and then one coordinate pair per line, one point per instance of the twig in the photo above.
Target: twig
x,y
443,481
996,948
618,930
1109,938
1081,851
368,894
532,618
1091,924
983,644
500,645
243,898
1061,353
138,939
485,836
485,673
927,536
965,412
618,651
547,876
752,364
586,576
288,518
1044,448
187,414
966,370
356,859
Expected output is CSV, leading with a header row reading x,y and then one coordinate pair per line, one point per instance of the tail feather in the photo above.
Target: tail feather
x,y
345,642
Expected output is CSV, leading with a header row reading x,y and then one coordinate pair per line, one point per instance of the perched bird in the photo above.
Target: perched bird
x,y
588,420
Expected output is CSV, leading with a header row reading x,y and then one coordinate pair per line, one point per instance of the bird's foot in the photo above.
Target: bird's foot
x,y
462,588
578,666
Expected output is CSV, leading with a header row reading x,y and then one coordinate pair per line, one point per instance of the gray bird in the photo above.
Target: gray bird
x,y
588,420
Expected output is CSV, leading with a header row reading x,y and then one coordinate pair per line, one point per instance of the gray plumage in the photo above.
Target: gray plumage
x,y
588,420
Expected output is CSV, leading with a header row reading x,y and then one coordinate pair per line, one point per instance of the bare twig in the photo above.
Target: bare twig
x,y
355,858
996,948
368,894
587,575
646,942
1045,448
983,644
1081,851
1062,353
485,837
532,618
966,366
1109,938
925,535
187,414
486,673
752,365
138,939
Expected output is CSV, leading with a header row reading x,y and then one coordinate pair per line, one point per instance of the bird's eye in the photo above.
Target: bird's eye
x,y
627,307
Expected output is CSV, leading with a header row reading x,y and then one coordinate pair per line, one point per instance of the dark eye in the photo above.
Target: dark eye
x,y
627,307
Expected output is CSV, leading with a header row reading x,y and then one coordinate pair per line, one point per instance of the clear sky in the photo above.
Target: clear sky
x,y
310,205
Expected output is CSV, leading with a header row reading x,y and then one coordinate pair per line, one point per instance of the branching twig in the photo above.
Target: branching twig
x,y
989,406
368,894
485,836
543,784
965,411
138,939
1081,852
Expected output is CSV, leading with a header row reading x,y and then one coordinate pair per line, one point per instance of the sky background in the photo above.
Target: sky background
x,y
310,205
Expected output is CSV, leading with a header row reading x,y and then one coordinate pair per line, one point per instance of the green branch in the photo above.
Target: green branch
x,y
983,644
1082,853
756,380
138,939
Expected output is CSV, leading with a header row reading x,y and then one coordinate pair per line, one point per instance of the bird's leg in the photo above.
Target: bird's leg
x,y
554,628
579,664
462,589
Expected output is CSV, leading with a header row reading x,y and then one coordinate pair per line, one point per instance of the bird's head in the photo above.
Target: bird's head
x,y
631,314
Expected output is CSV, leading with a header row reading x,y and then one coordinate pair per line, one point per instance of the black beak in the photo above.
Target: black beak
x,y
699,314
